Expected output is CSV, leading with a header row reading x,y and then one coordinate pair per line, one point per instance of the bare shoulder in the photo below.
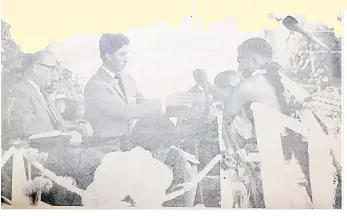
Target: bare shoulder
x,y
254,87
252,83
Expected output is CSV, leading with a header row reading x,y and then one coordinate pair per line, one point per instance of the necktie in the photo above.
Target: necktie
x,y
121,86
53,113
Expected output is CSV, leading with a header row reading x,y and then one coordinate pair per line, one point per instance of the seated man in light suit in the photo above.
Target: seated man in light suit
x,y
31,110
113,103
31,113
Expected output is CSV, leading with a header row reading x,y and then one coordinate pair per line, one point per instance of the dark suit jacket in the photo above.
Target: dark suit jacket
x,y
28,112
110,112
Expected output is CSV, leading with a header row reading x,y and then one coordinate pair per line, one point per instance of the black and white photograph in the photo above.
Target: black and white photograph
x,y
165,117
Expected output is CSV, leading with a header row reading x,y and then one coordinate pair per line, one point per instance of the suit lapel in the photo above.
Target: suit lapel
x,y
119,91
126,90
114,84
38,97
41,101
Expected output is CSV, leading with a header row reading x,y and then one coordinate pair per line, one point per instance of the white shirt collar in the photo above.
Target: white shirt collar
x,y
112,74
36,87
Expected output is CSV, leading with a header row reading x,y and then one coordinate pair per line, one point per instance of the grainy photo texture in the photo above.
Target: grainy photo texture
x,y
162,117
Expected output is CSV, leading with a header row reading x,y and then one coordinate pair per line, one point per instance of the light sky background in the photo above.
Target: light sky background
x,y
162,58
165,55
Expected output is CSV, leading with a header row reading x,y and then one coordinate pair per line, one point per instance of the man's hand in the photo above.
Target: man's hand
x,y
179,100
87,129
141,100
200,76
76,138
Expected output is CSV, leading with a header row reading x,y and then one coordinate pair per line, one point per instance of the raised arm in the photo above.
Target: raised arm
x,y
217,93
242,95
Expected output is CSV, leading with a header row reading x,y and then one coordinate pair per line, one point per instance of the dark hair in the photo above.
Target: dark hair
x,y
30,59
70,112
224,74
110,43
153,133
274,78
256,46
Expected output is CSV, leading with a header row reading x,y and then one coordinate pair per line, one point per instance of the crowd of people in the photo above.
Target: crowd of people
x,y
125,150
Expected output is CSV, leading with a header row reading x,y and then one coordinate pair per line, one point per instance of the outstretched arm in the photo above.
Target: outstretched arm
x,y
217,93
98,97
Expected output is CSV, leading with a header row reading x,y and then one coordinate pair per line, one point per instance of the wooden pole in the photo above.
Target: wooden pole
x,y
7,156
227,192
19,200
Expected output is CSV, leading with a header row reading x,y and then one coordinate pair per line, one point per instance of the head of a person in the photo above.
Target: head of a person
x,y
227,79
61,103
153,134
252,54
18,74
42,68
80,109
114,51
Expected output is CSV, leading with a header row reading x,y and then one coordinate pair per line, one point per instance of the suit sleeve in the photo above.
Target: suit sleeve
x,y
140,98
21,113
101,100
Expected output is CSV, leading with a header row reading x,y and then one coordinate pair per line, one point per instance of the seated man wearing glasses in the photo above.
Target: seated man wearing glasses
x,y
33,113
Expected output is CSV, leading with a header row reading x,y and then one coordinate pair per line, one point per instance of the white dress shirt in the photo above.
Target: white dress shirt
x,y
112,74
37,88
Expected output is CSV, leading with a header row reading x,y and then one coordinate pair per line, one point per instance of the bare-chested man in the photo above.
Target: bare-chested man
x,y
261,83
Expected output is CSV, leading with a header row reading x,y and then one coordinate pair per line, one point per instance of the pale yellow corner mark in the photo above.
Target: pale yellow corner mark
x,y
36,23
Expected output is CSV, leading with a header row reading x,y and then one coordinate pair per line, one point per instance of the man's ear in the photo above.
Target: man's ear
x,y
255,59
33,69
108,57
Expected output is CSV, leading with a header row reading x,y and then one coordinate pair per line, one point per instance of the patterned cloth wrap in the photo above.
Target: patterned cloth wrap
x,y
326,65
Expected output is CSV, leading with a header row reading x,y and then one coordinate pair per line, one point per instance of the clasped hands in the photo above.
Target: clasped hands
x,y
186,99
76,138
200,76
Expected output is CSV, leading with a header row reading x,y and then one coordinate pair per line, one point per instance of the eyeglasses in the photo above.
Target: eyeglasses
x,y
54,68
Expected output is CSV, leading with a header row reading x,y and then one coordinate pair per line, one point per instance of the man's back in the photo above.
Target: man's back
x,y
257,88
